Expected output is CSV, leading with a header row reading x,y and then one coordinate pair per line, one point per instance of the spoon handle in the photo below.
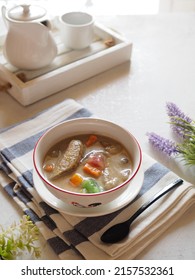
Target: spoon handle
x,y
158,195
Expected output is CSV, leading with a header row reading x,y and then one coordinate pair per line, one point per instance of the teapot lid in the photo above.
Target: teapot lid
x,y
26,12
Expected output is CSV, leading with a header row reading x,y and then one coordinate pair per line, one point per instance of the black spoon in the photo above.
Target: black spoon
x,y
119,231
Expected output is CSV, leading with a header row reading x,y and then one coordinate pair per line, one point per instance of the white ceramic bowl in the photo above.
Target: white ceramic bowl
x,y
86,126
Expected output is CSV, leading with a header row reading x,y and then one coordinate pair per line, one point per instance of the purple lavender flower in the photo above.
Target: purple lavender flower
x,y
178,119
162,144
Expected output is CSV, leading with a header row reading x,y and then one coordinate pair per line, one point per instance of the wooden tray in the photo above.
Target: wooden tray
x,y
108,49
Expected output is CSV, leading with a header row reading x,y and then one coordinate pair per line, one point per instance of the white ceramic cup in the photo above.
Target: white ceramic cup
x,y
76,29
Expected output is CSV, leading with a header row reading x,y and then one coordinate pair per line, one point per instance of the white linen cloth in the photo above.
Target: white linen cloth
x,y
74,237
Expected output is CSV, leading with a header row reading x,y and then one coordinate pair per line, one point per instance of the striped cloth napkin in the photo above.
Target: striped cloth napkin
x,y
73,237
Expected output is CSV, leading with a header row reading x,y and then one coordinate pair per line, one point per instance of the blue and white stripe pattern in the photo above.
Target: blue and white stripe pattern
x,y
75,237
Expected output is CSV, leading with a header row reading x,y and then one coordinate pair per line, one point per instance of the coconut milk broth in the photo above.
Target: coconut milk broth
x,y
119,164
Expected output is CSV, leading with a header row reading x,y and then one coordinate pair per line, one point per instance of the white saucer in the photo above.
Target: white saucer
x,y
129,194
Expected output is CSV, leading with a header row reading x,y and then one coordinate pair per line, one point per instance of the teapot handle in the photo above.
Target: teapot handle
x,y
3,11
47,23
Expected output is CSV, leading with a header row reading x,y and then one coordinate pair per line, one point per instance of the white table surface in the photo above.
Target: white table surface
x,y
134,95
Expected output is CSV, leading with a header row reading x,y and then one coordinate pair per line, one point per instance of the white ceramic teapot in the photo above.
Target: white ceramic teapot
x,y
29,43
